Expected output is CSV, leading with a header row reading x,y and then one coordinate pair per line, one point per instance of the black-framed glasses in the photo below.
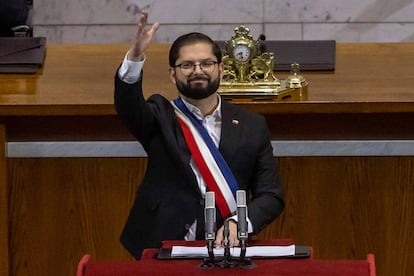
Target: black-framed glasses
x,y
187,67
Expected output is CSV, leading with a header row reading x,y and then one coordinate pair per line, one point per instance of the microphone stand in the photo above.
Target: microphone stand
x,y
242,234
210,261
226,261
210,246
231,261
226,234
223,262
242,249
243,261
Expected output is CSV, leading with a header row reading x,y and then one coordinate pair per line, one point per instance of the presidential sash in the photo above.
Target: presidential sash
x,y
211,164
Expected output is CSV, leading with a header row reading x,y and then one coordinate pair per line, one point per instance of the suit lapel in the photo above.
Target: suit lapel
x,y
231,129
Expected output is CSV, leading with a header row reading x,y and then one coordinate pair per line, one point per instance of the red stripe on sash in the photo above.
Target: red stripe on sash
x,y
204,170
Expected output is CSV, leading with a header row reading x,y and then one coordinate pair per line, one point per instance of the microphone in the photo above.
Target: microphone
x,y
242,229
210,222
210,216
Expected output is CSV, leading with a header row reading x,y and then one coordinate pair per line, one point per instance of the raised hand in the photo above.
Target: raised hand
x,y
143,38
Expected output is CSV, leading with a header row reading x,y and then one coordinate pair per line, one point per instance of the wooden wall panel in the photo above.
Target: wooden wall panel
x,y
64,208
344,207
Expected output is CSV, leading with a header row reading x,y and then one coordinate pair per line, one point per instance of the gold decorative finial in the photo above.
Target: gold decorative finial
x,y
295,80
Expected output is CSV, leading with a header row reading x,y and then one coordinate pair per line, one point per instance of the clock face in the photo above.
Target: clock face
x,y
241,52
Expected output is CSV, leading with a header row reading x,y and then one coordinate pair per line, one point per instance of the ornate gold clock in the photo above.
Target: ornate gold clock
x,y
241,49
249,73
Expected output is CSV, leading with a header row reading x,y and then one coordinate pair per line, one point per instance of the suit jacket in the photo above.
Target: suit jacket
x,y
168,199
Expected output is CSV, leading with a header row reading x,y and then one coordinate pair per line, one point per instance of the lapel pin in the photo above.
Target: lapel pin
x,y
235,122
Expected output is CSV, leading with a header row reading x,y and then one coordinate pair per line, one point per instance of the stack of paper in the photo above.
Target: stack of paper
x,y
251,251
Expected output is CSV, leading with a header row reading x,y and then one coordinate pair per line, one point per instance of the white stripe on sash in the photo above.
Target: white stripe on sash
x,y
210,161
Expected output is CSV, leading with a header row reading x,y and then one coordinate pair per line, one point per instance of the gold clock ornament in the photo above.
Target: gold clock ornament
x,y
249,72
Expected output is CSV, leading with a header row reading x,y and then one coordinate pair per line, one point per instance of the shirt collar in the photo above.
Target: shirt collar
x,y
197,113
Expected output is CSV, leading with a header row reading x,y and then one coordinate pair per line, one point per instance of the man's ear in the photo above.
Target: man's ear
x,y
172,74
221,70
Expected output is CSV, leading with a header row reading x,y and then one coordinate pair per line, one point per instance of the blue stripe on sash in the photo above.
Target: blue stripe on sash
x,y
222,164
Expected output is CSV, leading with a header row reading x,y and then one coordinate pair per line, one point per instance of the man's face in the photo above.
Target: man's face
x,y
198,74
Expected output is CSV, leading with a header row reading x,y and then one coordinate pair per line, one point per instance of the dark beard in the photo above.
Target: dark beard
x,y
197,92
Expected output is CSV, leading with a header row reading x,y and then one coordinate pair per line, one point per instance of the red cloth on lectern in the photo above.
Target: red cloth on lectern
x,y
150,265
282,267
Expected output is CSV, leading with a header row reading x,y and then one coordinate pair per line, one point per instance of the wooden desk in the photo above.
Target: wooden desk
x,y
369,94
78,80
53,210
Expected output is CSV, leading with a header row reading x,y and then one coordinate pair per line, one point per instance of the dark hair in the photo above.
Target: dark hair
x,y
192,38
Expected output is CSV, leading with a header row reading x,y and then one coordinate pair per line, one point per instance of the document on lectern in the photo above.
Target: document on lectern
x,y
251,251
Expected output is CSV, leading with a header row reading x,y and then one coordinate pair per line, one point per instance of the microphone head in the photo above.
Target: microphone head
x,y
241,198
210,200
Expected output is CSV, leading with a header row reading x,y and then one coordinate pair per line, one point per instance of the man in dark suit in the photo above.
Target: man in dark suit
x,y
169,203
